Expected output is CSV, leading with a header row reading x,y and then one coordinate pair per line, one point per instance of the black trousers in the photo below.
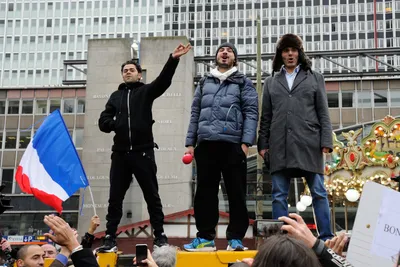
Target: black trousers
x,y
142,164
212,159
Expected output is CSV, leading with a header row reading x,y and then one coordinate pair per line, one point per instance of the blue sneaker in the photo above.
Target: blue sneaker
x,y
200,244
235,245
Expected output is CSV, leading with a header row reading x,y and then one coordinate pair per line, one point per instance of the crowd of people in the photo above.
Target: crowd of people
x,y
294,245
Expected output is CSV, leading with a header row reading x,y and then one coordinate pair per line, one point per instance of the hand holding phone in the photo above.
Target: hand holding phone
x,y
141,254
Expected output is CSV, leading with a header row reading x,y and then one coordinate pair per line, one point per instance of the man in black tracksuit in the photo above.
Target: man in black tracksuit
x,y
128,113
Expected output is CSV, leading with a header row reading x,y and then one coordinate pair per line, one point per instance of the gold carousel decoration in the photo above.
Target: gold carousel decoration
x,y
376,159
351,165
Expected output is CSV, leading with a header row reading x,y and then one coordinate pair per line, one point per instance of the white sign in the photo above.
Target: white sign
x,y
386,241
374,238
15,238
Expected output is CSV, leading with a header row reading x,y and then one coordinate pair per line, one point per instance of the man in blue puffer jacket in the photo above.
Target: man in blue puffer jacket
x,y
223,125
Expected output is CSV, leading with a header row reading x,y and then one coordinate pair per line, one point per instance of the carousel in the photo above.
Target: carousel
x,y
358,159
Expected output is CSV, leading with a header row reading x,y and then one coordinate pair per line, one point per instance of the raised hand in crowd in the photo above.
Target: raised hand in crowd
x,y
297,228
5,245
65,236
149,261
94,223
63,233
337,243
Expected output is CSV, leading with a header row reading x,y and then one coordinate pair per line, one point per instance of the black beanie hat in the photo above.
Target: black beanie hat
x,y
234,50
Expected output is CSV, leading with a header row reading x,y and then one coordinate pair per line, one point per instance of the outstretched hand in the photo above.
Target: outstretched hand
x,y
181,50
63,234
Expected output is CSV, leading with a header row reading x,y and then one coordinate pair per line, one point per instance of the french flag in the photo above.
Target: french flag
x,y
50,168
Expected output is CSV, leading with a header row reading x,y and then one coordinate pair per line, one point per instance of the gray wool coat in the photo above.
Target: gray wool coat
x,y
295,124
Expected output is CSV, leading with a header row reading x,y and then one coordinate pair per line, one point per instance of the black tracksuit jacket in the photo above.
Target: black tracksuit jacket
x,y
128,111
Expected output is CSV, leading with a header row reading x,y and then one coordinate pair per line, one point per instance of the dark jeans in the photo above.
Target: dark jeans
x,y
212,159
315,181
142,165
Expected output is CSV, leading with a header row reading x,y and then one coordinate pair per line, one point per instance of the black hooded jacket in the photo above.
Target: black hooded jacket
x,y
132,121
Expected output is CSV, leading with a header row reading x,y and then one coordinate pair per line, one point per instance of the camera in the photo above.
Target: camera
x,y
267,227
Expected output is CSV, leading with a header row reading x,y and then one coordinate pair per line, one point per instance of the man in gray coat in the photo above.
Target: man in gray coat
x,y
223,125
295,129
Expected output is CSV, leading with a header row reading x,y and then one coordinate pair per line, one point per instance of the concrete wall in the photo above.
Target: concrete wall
x,y
171,113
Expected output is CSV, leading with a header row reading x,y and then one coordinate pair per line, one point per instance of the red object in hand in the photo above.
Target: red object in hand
x,y
187,158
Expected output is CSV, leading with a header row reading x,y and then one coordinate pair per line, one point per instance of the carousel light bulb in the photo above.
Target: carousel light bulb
x,y
367,153
306,200
380,128
385,135
300,206
376,131
367,143
337,148
395,127
397,158
391,134
352,195
373,159
383,159
377,141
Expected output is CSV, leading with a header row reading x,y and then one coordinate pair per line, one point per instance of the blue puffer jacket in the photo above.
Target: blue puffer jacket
x,y
224,112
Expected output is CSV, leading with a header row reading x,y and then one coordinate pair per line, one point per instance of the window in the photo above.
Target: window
x,y
54,104
27,106
13,107
7,179
24,138
41,106
333,99
347,99
69,105
11,140
364,99
380,98
79,138
395,98
81,106
2,107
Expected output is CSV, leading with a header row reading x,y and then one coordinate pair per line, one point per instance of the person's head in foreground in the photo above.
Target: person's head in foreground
x,y
50,251
283,251
165,256
30,256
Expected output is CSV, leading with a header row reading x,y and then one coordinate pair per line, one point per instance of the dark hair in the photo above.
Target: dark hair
x,y
133,62
282,251
303,60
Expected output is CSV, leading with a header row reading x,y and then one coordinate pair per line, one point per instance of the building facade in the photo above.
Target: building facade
x,y
21,113
37,36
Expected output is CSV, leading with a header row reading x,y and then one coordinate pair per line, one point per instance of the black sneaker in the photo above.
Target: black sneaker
x,y
109,245
160,241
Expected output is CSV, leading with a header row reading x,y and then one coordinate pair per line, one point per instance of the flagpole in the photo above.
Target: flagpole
x,y
91,195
